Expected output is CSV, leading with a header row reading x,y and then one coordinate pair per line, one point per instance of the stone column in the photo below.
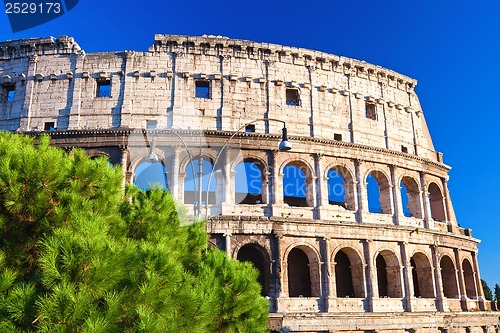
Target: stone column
x,y
124,165
447,204
407,278
425,202
30,87
181,178
327,273
276,194
227,179
362,197
127,90
174,187
477,281
438,278
322,185
74,111
371,274
460,280
396,196
228,244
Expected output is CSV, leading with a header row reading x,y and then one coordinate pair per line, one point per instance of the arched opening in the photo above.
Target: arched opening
x,y
150,174
422,276
410,198
340,187
449,277
388,275
436,202
299,275
248,183
469,279
379,193
343,275
382,278
296,185
191,190
336,188
256,255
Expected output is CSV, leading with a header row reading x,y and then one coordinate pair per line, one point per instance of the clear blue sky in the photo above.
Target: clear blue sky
x,y
451,47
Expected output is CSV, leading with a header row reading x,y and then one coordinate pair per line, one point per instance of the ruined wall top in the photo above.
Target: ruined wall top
x,y
238,48
19,48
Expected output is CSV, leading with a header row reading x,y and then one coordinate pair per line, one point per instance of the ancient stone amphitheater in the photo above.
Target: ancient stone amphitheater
x,y
352,229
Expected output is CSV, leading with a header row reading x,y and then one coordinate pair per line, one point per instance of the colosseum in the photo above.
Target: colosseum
x,y
317,168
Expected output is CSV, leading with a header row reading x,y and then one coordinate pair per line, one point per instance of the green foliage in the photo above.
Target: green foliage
x,y
77,254
497,295
487,291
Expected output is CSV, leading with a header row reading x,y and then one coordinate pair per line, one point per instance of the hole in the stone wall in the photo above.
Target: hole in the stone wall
x,y
49,126
151,124
371,111
337,137
292,97
103,88
202,89
250,128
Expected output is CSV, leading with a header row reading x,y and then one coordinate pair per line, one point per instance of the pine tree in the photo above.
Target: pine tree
x,y
487,291
497,295
77,254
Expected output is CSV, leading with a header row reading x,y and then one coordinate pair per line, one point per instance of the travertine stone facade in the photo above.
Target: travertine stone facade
x,y
329,261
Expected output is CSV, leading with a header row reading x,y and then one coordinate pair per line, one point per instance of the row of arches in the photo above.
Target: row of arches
x,y
349,276
251,186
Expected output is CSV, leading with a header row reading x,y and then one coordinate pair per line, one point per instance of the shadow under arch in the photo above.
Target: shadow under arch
x,y
421,271
258,256
388,274
448,277
349,275
303,271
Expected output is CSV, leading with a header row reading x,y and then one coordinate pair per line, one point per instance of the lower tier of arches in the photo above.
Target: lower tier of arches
x,y
387,272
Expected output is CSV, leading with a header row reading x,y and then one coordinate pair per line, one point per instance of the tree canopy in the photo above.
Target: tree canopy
x,y
80,254
487,291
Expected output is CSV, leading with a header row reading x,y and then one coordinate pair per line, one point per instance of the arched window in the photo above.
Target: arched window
x,y
343,275
296,183
388,275
422,276
336,188
248,183
299,276
382,278
436,201
449,277
349,277
191,189
150,174
256,255
410,197
379,193
469,279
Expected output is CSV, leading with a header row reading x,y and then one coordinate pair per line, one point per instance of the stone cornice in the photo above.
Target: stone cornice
x,y
228,134
225,46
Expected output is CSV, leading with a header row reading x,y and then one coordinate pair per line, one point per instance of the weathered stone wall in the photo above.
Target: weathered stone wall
x,y
325,266
57,82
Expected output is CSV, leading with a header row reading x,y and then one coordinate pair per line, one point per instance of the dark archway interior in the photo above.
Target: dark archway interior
x,y
251,253
299,276
382,277
343,275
